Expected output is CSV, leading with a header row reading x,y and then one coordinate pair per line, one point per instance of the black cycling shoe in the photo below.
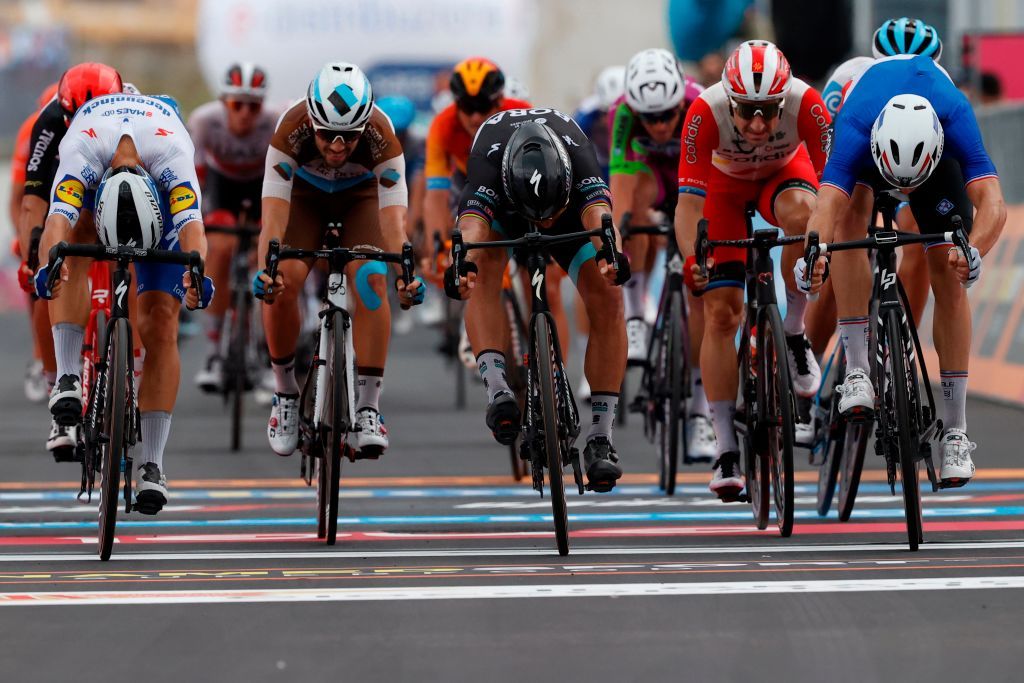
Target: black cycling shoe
x,y
151,491
504,418
66,400
602,463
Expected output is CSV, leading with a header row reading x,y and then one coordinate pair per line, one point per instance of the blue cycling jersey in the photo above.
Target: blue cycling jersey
x,y
917,75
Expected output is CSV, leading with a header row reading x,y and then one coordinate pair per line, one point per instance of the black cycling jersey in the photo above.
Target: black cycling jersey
x,y
49,129
937,200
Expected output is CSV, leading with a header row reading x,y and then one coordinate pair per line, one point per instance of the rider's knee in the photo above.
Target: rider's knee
x,y
371,280
722,314
158,322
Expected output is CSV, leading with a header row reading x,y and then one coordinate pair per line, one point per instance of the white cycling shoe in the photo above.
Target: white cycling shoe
x,y
857,395
803,368
371,436
957,466
283,427
36,386
636,336
727,480
701,443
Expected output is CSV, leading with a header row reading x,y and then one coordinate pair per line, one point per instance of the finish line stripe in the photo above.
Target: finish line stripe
x,y
590,590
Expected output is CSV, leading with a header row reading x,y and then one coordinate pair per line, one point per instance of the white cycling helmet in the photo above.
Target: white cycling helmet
x,y
654,81
128,208
340,97
906,141
610,86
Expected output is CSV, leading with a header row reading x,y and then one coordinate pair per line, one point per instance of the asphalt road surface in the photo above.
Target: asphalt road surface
x,y
445,568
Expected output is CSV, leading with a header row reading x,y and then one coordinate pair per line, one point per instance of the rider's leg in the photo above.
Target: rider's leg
x,y
372,328
820,320
851,275
218,267
41,331
913,268
723,312
638,249
486,320
282,323
951,331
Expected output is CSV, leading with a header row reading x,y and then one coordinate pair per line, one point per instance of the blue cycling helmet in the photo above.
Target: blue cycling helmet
x,y
905,36
399,109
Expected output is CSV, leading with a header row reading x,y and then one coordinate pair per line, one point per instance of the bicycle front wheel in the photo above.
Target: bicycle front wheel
x,y
670,386
777,414
545,375
828,471
756,463
115,428
339,425
903,385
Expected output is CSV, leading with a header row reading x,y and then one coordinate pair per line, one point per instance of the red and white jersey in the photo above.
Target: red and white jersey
x,y
839,82
160,137
710,138
234,157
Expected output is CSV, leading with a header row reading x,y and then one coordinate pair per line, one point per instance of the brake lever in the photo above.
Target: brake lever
x,y
195,270
407,263
56,261
458,252
811,255
608,241
273,257
960,238
701,247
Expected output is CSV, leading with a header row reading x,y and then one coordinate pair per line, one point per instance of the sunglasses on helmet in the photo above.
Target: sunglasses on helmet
x,y
748,110
240,105
330,136
476,105
659,116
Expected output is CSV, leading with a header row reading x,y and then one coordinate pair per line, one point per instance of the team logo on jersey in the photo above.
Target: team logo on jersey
x,y
71,191
944,207
284,170
163,132
91,133
182,197
390,177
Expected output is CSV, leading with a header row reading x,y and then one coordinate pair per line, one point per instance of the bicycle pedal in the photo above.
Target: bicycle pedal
x,y
697,459
65,454
953,483
726,496
601,486
368,453
858,415
148,502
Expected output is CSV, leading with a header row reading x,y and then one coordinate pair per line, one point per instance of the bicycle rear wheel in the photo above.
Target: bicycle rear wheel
x,y
552,444
670,386
115,430
756,463
903,383
828,471
777,415
339,425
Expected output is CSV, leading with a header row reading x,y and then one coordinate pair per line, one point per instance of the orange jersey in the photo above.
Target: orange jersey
x,y
20,157
448,144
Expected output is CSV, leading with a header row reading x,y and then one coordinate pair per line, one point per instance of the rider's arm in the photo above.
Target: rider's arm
x,y
622,171
831,203
277,193
32,212
436,216
990,216
192,237
700,138
813,127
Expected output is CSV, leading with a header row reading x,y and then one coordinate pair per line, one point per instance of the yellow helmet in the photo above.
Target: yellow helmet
x,y
477,83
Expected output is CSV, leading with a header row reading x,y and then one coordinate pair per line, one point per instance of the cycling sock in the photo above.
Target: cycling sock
x,y
796,304
634,295
722,413
67,342
284,375
603,406
854,333
371,383
699,402
156,427
214,325
954,394
491,365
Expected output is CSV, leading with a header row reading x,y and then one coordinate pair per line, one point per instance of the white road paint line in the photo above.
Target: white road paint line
x,y
590,590
186,556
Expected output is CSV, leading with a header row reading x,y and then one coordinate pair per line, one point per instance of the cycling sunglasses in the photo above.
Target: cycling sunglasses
x,y
748,110
330,136
476,105
659,116
240,105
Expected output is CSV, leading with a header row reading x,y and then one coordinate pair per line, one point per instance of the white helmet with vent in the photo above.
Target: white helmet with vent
x,y
128,208
654,81
340,97
906,141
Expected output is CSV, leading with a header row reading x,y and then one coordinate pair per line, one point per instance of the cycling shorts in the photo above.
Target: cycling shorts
x,y
936,201
571,256
221,192
727,198
357,209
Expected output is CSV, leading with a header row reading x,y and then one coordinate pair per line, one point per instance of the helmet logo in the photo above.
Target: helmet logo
x,y
535,181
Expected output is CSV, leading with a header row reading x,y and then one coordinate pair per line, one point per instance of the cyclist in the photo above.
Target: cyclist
x,y
535,166
592,116
135,152
760,135
77,85
42,370
900,114
231,137
646,125
334,156
893,37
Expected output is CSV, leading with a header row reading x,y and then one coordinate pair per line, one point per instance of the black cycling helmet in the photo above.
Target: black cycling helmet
x,y
536,172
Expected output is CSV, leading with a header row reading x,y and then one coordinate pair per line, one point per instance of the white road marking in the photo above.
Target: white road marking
x,y
896,548
590,590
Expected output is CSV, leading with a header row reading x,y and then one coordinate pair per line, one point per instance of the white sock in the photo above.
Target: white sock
x,y
633,298
954,395
854,333
491,365
722,413
699,400
796,304
602,411
156,427
67,342
284,375
371,383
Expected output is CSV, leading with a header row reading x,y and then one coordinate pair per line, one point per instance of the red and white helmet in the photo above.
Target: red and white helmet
x,y
244,80
757,71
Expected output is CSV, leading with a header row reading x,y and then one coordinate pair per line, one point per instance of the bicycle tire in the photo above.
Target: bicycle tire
x,y
339,422
903,383
855,446
92,416
115,422
238,362
780,404
674,413
312,443
546,384
758,477
828,471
